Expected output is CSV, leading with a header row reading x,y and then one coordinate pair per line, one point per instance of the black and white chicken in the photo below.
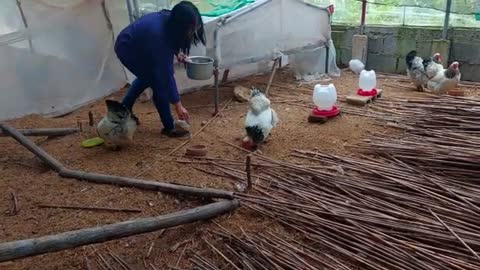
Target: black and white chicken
x,y
421,70
446,80
118,126
260,120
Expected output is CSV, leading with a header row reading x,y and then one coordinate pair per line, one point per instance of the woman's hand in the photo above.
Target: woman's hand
x,y
182,113
181,57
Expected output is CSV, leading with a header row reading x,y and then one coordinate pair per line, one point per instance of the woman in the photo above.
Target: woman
x,y
147,48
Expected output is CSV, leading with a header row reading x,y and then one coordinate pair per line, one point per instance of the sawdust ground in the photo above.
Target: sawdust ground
x,y
22,173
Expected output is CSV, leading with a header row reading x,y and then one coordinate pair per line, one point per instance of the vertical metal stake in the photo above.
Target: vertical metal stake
x,y
447,19
217,90
25,24
327,48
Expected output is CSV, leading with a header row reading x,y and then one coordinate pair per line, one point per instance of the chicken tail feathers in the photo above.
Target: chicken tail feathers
x,y
410,57
255,133
115,106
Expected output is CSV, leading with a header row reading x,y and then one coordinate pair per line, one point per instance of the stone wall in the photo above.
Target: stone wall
x,y
388,46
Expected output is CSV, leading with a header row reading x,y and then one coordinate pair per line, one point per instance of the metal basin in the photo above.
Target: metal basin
x,y
199,67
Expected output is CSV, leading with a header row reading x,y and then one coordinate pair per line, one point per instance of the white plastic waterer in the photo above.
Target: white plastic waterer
x,y
324,96
368,80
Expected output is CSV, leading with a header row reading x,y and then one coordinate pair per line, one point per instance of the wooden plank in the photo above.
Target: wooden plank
x,y
361,100
53,243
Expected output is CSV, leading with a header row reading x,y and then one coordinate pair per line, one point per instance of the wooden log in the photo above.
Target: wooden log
x,y
115,180
110,179
145,184
53,243
48,132
51,162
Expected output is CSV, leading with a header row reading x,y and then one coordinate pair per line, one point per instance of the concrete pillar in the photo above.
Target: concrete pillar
x,y
360,48
442,46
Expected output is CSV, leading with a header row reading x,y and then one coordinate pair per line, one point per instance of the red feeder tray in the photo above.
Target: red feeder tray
x,y
326,113
372,93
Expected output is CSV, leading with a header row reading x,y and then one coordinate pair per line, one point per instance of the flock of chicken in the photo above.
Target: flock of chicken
x,y
118,126
429,73
425,72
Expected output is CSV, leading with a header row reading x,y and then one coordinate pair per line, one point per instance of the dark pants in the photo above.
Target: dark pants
x,y
160,98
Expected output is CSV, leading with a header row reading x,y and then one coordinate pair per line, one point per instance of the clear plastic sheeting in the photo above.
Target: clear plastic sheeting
x,y
58,55
10,19
309,65
272,26
250,37
63,60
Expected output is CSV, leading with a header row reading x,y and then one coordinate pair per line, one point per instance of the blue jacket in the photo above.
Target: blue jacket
x,y
142,47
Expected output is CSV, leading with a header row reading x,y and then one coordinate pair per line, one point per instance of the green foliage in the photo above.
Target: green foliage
x,y
403,12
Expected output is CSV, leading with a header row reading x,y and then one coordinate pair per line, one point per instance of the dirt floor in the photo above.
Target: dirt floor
x,y
23,174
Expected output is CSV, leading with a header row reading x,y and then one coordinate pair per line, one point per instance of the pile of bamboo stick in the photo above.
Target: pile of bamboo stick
x,y
441,134
375,213
410,201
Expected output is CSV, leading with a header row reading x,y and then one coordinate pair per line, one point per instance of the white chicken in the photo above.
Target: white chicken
x,y
260,119
446,80
422,70
118,126
437,65
356,66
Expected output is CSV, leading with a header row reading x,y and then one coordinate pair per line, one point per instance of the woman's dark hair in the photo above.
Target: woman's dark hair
x,y
184,19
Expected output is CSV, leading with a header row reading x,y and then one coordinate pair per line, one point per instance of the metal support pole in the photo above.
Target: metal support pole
x,y
364,14
327,45
447,19
136,9
217,90
327,56
25,24
130,11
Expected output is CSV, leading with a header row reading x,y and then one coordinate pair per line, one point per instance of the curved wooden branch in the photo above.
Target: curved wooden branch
x,y
52,243
111,179
144,184
51,162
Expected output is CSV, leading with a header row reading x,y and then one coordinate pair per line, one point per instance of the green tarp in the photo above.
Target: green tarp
x,y
224,7
215,8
